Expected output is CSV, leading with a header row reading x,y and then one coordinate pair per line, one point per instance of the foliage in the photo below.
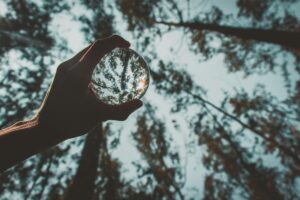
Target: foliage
x,y
251,139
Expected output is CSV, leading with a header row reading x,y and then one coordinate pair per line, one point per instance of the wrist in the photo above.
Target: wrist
x,y
48,131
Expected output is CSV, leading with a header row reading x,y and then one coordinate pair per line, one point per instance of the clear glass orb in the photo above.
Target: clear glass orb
x,y
120,76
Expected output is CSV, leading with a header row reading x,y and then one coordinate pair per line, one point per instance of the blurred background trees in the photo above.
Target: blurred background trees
x,y
240,142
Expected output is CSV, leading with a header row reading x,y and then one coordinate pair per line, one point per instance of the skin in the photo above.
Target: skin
x,y
70,108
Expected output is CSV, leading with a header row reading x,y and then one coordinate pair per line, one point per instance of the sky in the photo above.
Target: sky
x,y
211,75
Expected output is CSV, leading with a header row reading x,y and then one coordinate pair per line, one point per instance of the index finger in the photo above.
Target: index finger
x,y
98,49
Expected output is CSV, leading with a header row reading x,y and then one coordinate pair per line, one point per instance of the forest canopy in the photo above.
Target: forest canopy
x,y
220,119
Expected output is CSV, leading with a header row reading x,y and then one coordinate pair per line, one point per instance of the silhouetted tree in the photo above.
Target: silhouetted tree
x,y
25,34
83,184
214,32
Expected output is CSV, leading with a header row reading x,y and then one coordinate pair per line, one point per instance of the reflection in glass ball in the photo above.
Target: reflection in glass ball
x,y
120,76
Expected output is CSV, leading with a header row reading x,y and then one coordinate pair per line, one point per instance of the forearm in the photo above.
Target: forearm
x,y
21,141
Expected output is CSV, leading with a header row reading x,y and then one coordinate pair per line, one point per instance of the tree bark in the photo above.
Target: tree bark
x,y
284,38
83,184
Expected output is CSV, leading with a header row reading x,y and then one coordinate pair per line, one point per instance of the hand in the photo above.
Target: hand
x,y
70,108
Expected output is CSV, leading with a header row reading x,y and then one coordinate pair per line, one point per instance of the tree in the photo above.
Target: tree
x,y
25,33
83,183
271,123
238,44
163,180
87,169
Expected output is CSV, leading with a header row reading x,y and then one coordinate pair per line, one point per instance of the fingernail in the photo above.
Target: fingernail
x,y
139,103
127,43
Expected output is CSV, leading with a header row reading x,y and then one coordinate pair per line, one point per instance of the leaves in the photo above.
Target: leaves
x,y
248,141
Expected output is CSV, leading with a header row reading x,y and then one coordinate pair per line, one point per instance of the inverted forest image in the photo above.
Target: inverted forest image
x,y
220,119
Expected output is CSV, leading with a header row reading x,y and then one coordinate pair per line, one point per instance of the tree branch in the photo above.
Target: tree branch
x,y
284,38
261,134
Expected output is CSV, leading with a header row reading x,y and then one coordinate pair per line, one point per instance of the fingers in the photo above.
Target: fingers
x,y
98,49
112,112
121,112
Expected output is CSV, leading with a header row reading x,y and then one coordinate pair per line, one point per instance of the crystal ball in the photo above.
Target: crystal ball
x,y
121,76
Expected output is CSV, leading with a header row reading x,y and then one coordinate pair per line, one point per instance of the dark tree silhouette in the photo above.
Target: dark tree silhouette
x,y
284,38
24,32
83,184
214,32
100,25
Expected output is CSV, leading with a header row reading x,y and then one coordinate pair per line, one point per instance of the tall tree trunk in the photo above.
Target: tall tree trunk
x,y
284,38
83,184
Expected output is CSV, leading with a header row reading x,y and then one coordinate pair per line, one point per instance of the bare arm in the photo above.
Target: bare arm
x,y
22,140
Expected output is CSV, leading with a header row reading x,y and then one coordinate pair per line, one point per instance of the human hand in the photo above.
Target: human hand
x,y
70,108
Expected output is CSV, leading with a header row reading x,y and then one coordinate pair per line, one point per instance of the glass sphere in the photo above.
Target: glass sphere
x,y
121,76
